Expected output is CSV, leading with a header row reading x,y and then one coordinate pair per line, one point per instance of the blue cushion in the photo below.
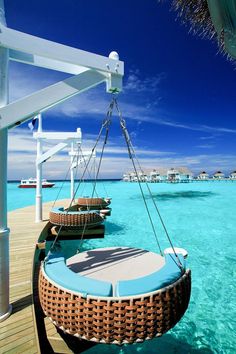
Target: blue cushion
x,y
61,210
167,275
58,210
56,270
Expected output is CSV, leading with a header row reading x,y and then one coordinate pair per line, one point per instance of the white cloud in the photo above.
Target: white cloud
x,y
22,155
114,164
24,79
22,146
135,83
210,137
95,102
205,146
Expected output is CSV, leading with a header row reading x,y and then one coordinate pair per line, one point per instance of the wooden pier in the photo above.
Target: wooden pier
x,y
18,333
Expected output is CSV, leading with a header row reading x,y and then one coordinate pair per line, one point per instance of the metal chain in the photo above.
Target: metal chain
x,y
127,140
105,124
62,184
100,161
132,154
101,156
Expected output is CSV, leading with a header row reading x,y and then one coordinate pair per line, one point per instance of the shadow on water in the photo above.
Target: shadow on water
x,y
112,227
178,195
167,344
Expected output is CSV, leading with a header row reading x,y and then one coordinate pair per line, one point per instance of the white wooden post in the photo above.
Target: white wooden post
x,y
90,70
38,202
5,308
72,172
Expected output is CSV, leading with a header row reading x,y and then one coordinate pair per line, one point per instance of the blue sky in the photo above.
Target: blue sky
x,y
179,92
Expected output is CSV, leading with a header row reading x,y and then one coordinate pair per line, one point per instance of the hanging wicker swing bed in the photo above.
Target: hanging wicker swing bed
x,y
93,203
133,311
75,218
128,310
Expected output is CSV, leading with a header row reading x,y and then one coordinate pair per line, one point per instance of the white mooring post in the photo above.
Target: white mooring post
x,y
38,202
5,308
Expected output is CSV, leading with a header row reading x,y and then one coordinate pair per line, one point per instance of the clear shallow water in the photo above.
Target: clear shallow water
x,y
199,217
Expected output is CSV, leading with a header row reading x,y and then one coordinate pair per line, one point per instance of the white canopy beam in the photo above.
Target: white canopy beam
x,y
55,52
90,69
19,111
5,307
51,152
67,138
35,60
59,135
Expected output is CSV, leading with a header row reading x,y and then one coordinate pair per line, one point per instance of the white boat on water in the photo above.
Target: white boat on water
x,y
32,183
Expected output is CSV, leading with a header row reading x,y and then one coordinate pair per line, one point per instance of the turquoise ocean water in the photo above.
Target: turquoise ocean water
x,y
201,218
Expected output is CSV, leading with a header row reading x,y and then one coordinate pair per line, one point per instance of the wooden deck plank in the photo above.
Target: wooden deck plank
x,y
17,346
21,327
20,321
26,348
17,333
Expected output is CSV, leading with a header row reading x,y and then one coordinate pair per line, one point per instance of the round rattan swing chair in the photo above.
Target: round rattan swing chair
x,y
75,218
93,203
127,311
88,212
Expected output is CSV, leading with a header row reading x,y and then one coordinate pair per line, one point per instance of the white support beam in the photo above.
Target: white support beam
x,y
39,173
67,138
47,63
58,135
72,173
90,69
5,307
29,44
17,112
48,154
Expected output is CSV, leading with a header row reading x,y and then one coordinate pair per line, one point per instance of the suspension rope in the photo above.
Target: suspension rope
x,y
62,184
126,136
132,154
101,156
76,170
103,185
100,161
89,172
105,124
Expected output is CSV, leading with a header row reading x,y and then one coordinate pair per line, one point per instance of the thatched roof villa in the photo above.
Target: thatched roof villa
x,y
160,174
232,175
203,176
218,175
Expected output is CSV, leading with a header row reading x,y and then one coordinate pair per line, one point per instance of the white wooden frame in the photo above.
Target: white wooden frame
x,y
89,70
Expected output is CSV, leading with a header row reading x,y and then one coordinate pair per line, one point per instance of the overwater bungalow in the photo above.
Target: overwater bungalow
x,y
232,175
203,176
160,174
179,174
126,177
154,176
143,176
218,175
173,175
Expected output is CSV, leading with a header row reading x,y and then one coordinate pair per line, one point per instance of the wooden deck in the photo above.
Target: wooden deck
x,y
18,333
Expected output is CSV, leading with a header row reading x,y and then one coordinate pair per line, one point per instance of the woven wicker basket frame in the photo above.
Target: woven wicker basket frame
x,y
98,203
75,219
116,320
